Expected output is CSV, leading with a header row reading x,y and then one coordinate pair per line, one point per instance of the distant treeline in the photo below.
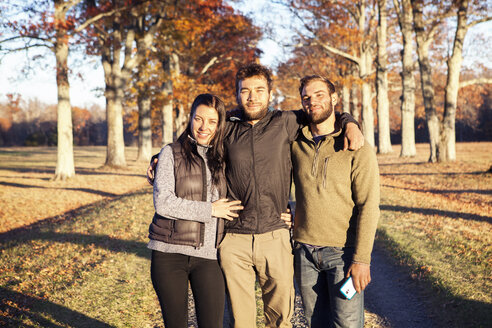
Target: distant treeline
x,y
33,123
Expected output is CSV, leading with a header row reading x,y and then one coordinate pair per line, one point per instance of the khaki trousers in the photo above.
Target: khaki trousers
x,y
268,257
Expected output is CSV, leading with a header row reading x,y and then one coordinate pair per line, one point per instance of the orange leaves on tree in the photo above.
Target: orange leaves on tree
x,y
80,117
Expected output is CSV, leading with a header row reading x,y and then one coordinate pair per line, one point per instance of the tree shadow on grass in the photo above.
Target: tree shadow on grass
x,y
445,191
91,191
445,307
43,227
51,170
101,241
431,173
17,308
431,211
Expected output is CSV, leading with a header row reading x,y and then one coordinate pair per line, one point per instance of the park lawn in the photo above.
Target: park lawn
x,y
91,269
437,221
27,193
90,266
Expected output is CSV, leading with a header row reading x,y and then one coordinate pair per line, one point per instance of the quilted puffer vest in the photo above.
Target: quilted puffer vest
x,y
190,183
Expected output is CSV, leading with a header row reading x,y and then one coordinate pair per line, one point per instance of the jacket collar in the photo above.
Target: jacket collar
x,y
306,133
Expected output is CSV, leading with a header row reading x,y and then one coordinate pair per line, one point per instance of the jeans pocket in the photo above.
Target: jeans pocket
x,y
335,250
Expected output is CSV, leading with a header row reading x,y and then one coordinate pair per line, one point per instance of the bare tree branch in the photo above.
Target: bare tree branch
x,y
478,21
98,17
209,64
26,47
339,52
32,37
482,80
396,5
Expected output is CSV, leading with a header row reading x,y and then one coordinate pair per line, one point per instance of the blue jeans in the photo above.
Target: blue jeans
x,y
320,272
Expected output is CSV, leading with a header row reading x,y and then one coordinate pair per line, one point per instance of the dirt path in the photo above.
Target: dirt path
x,y
391,299
392,296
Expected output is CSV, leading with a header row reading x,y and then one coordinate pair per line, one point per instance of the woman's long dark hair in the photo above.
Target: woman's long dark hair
x,y
215,153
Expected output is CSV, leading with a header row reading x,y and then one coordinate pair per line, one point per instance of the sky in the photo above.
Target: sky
x,y
40,83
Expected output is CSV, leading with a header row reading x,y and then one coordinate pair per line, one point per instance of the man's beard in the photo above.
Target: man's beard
x,y
257,115
320,117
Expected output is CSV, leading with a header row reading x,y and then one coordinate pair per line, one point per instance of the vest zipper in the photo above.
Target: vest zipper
x,y
204,197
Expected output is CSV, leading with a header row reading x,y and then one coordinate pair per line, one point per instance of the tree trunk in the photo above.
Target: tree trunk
x,y
405,19
384,134
122,35
65,168
167,116
355,102
180,120
426,78
144,126
144,107
446,148
171,68
367,111
365,64
345,98
115,151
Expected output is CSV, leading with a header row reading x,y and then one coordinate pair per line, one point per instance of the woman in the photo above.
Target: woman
x,y
189,187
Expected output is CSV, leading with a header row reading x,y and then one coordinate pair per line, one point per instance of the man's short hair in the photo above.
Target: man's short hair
x,y
251,70
310,78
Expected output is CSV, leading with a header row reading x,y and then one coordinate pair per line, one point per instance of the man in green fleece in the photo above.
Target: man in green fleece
x,y
337,211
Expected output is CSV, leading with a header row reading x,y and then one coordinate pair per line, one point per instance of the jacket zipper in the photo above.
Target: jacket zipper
x,y
314,167
254,177
324,171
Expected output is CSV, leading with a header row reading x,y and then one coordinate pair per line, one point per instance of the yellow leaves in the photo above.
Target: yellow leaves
x,y
183,25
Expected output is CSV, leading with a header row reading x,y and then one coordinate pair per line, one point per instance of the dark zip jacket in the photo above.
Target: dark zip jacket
x,y
259,167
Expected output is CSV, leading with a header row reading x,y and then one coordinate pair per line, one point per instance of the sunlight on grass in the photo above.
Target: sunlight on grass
x,y
91,266
437,221
96,265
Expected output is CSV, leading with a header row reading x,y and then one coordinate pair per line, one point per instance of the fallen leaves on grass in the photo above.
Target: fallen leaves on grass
x,y
28,194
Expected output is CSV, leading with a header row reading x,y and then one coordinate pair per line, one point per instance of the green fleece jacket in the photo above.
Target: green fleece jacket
x,y
337,194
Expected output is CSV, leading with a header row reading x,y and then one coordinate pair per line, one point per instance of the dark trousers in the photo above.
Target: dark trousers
x,y
170,275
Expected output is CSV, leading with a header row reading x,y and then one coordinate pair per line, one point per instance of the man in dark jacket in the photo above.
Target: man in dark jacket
x,y
258,171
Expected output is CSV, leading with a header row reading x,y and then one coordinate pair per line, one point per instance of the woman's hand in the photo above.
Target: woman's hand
x,y
287,218
225,209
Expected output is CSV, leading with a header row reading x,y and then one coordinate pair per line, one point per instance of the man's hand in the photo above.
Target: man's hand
x,y
287,218
353,138
151,171
361,275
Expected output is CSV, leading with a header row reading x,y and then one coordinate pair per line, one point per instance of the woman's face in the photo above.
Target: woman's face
x,y
204,124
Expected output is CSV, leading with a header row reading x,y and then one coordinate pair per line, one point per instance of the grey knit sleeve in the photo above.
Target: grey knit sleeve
x,y
166,202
